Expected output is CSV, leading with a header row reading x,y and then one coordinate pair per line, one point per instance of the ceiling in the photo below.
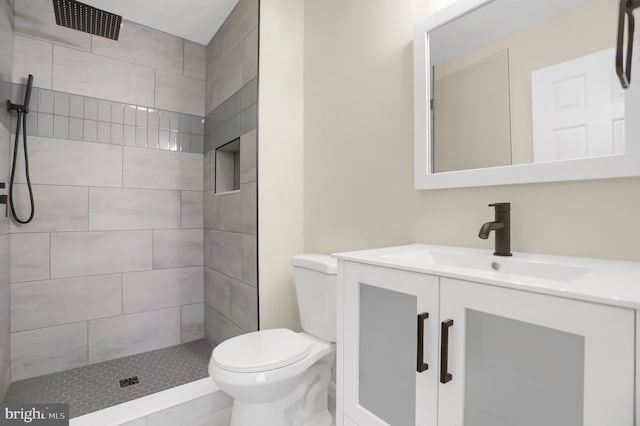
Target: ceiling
x,y
195,20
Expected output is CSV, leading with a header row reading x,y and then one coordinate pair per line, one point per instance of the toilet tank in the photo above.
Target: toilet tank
x,y
316,288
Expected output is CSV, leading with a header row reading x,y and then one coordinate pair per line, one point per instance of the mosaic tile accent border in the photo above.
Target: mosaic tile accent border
x,y
97,386
233,118
67,116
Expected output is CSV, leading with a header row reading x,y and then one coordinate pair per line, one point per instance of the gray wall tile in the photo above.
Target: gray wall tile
x,y
39,304
76,129
210,169
32,57
250,65
6,64
129,137
141,137
35,18
223,252
128,334
45,125
218,328
61,162
179,93
162,170
61,127
76,254
101,77
192,322
91,109
177,248
244,306
152,138
46,101
76,106
217,291
119,209
104,132
130,115
191,209
58,208
194,60
141,116
224,77
90,131
250,259
61,103
211,207
104,110
241,21
117,134
248,157
117,112
5,354
48,350
29,257
238,210
153,118
149,290
144,46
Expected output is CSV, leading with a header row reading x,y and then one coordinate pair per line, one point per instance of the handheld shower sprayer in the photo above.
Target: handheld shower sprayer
x,y
22,111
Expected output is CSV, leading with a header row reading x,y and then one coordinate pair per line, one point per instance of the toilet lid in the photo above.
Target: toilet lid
x,y
261,351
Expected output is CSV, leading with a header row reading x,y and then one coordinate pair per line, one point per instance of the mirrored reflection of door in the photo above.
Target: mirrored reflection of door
x,y
577,109
525,359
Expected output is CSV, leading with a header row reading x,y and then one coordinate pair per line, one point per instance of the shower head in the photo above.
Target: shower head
x,y
82,17
27,93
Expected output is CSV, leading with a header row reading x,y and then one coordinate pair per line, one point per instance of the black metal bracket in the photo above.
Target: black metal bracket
x,y
15,107
623,65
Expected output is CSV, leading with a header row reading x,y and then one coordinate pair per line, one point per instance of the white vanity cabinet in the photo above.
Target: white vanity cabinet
x,y
496,356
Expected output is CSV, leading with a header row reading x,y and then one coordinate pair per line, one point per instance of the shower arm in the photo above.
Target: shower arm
x,y
623,67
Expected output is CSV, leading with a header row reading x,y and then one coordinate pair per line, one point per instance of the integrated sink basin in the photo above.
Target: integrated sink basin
x,y
524,265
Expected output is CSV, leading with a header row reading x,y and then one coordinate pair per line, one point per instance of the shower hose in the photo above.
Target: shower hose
x,y
22,119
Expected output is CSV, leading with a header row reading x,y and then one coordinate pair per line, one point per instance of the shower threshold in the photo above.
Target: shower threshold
x,y
98,386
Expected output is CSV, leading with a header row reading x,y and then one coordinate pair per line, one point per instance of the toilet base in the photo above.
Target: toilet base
x,y
305,405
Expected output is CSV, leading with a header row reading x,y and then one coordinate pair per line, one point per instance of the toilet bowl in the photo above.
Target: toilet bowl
x,y
279,377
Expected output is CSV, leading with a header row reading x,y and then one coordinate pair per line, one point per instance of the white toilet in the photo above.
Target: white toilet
x,y
279,377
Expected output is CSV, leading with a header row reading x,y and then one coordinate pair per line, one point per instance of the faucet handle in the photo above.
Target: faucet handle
x,y
503,207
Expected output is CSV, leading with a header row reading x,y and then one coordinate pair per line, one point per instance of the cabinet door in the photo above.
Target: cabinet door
x,y
523,359
389,315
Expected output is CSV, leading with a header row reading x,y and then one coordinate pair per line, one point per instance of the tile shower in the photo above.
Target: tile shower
x,y
130,250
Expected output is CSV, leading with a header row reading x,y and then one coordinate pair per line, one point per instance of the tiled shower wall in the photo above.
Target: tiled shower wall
x,y
230,242
6,65
112,263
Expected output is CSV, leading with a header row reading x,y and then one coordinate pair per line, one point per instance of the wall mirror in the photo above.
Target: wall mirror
x,y
519,91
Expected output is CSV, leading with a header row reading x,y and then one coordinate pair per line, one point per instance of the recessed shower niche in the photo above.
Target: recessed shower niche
x,y
228,167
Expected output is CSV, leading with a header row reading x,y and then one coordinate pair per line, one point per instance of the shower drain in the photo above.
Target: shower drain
x,y
129,381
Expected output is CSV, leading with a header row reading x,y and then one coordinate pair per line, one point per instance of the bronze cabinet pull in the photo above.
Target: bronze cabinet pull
x,y
445,376
421,366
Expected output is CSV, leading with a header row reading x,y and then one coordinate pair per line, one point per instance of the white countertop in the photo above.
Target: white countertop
x,y
609,282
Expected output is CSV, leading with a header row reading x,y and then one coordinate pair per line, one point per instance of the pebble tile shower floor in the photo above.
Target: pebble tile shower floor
x,y
97,386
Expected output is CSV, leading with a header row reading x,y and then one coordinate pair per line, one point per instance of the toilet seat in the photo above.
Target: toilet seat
x,y
261,351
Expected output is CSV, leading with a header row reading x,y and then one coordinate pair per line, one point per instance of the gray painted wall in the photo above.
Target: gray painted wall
x,y
230,235
112,264
6,66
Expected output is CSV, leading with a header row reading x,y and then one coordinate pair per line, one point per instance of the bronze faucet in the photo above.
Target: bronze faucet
x,y
502,226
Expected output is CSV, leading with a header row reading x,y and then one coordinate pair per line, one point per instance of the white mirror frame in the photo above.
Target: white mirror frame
x,y
614,166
